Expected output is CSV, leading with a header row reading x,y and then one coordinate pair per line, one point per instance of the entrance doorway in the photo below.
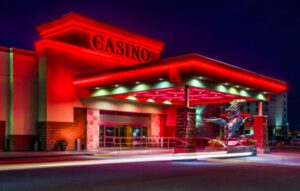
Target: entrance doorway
x,y
122,129
122,135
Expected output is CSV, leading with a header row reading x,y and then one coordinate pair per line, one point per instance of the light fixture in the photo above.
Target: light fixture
x,y
131,98
226,83
265,92
116,85
247,88
167,102
137,82
97,88
200,77
150,100
160,79
237,86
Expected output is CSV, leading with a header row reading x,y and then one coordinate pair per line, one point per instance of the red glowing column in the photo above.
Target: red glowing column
x,y
260,126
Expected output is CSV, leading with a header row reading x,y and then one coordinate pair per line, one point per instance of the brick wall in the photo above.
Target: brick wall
x,y
2,134
50,133
261,133
21,142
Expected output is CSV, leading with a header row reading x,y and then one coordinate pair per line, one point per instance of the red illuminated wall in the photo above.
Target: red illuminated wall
x,y
3,83
18,95
25,72
170,128
57,95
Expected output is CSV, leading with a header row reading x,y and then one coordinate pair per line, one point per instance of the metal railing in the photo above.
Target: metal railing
x,y
143,142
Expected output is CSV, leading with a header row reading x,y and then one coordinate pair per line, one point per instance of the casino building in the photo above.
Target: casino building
x,y
103,86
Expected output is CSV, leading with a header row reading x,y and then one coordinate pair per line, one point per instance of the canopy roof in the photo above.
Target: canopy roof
x,y
179,67
211,81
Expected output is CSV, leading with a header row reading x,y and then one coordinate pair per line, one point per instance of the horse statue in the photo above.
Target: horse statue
x,y
234,119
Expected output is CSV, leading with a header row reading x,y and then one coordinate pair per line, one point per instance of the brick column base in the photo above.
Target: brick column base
x,y
185,140
2,135
260,126
51,133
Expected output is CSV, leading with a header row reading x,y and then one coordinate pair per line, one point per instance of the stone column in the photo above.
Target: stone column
x,y
92,129
157,125
185,140
260,126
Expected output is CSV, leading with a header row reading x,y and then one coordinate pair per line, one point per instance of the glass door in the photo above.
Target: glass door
x,y
139,136
109,136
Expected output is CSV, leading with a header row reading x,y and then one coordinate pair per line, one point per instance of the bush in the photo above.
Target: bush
x,y
248,142
216,143
63,145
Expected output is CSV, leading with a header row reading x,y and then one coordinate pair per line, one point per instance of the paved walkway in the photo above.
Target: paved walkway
x,y
117,159
108,151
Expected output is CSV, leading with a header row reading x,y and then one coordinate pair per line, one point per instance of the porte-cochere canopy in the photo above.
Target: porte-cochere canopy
x,y
165,81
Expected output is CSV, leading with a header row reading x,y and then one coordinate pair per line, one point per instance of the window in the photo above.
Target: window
x,y
110,131
136,131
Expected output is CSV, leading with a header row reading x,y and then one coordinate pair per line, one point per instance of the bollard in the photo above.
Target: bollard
x,y
36,146
77,144
7,144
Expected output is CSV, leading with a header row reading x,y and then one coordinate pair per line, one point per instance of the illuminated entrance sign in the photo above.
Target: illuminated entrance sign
x,y
119,47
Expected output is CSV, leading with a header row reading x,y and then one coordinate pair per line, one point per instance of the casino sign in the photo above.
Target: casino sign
x,y
119,47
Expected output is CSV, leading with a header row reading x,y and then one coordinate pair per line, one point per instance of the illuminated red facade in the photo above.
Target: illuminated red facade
x,y
82,69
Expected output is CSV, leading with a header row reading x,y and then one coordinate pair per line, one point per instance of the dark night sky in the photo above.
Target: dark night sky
x,y
263,36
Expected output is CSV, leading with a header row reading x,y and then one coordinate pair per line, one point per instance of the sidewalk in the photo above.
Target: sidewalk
x,y
100,152
35,154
